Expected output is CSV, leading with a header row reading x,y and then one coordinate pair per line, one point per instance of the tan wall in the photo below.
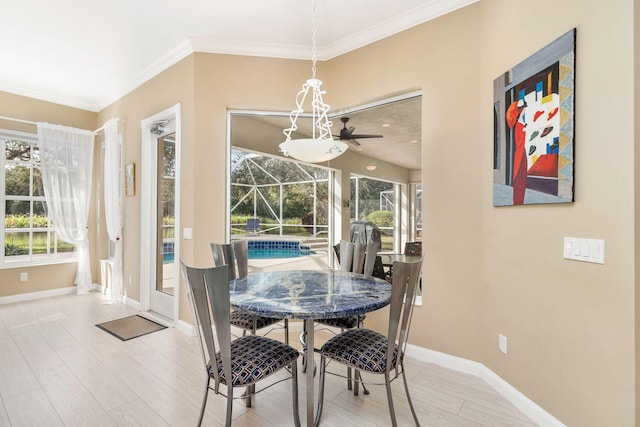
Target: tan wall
x,y
571,325
174,85
636,140
491,271
44,278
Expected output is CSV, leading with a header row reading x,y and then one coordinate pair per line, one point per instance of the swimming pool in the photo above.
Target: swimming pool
x,y
277,253
271,249
167,257
260,249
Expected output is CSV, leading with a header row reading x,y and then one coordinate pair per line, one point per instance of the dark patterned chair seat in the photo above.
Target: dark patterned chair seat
x,y
254,358
244,320
364,349
349,322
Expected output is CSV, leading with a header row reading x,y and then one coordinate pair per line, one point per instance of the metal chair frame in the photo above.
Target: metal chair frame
x,y
355,258
209,296
403,294
235,254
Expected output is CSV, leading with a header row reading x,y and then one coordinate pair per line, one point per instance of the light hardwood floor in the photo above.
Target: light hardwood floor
x,y
58,369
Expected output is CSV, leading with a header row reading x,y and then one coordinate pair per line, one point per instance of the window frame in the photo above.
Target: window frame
x,y
52,256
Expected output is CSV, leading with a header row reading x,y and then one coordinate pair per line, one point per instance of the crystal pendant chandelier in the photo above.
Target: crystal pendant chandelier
x,y
321,147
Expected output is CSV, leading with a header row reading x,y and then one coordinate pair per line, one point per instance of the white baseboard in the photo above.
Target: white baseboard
x,y
185,327
100,288
519,400
131,303
37,295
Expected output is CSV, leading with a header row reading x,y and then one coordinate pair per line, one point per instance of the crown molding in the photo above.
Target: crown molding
x,y
172,57
431,9
419,15
81,103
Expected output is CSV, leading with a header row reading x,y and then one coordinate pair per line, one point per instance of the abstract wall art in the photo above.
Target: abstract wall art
x,y
533,119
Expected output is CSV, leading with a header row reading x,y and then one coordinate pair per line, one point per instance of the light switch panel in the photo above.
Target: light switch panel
x,y
186,233
587,250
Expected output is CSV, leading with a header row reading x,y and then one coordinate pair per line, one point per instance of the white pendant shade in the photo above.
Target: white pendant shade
x,y
313,150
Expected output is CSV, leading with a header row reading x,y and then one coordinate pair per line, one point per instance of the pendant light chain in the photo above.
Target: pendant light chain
x,y
313,40
320,146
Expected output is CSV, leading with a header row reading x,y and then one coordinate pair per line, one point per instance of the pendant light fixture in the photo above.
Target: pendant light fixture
x,y
321,147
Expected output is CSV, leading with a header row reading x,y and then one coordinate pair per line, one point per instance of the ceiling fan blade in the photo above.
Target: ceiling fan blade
x,y
354,142
365,136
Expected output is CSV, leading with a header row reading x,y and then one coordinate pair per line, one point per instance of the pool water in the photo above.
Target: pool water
x,y
277,253
270,249
263,249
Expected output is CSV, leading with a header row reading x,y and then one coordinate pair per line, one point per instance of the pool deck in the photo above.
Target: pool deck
x,y
316,261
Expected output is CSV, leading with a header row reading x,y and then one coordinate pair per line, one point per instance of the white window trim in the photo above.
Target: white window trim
x,y
35,259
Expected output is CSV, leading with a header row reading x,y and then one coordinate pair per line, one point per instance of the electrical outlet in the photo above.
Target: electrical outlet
x,y
502,343
131,279
24,277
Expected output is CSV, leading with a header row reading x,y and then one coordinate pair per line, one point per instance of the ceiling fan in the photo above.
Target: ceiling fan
x,y
346,134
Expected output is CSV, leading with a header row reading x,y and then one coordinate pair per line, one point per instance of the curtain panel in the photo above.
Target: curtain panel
x,y
113,201
67,162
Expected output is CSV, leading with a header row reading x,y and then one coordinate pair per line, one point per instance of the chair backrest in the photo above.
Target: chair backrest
x,y
365,232
413,248
346,255
357,257
403,295
253,225
235,255
359,254
370,258
209,295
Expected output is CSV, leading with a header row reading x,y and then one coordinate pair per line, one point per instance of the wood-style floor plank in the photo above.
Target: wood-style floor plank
x,y
136,414
4,418
32,408
58,369
16,376
73,402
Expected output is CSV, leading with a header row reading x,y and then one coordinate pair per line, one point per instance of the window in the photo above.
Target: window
x,y
288,197
27,233
373,200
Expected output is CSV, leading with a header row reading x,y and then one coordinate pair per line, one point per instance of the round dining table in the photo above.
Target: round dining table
x,y
309,295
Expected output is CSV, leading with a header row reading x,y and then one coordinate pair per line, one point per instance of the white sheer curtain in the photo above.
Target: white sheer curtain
x,y
113,201
67,162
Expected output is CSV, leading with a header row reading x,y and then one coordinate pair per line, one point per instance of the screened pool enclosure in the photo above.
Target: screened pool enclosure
x,y
287,198
276,196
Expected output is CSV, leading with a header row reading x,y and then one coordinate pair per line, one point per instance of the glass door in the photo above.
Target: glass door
x,y
164,222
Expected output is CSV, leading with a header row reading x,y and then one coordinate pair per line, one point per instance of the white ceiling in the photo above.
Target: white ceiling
x,y
89,53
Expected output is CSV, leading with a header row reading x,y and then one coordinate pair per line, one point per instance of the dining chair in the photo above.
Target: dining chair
x,y
369,351
413,248
410,248
253,226
239,363
235,255
355,258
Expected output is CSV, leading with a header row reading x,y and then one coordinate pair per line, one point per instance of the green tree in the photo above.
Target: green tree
x,y
368,195
249,170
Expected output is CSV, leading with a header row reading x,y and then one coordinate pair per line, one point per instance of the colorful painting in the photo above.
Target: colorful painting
x,y
533,122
